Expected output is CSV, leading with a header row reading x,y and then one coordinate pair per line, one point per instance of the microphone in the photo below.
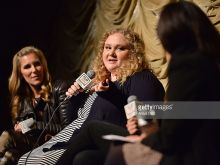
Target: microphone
x,y
131,110
84,81
26,124
131,107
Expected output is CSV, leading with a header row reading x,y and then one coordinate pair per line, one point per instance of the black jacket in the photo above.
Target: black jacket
x,y
62,117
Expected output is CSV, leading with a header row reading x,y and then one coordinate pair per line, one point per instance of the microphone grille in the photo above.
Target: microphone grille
x,y
91,74
132,98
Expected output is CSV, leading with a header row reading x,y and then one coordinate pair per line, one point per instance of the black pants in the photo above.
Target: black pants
x,y
90,138
89,157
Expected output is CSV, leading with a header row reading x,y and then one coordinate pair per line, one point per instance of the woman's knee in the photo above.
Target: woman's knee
x,y
89,157
5,135
4,140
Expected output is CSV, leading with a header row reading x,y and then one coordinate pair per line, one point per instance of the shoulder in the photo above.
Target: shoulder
x,y
144,75
145,86
60,85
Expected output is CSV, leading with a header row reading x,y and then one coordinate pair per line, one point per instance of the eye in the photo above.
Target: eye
x,y
107,47
121,48
37,63
27,66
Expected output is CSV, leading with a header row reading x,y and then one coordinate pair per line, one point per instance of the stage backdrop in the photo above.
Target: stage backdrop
x,y
68,32
84,22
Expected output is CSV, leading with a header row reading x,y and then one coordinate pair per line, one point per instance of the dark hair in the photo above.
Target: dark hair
x,y
184,26
194,44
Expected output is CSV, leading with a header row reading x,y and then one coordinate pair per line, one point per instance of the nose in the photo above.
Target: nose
x,y
112,53
33,69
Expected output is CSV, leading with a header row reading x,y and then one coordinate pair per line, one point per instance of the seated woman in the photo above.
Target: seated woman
x,y
121,70
33,96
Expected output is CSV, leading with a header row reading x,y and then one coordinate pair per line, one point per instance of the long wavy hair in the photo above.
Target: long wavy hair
x,y
136,60
19,88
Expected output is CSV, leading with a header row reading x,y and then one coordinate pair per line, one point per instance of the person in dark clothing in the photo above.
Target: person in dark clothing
x,y
121,70
33,96
192,45
109,105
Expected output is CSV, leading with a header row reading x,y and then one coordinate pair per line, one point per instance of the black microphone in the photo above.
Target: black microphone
x,y
85,81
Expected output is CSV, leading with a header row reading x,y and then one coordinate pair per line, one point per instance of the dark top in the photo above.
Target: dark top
x,y
192,77
109,105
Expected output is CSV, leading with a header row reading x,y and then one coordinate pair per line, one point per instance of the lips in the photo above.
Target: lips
x,y
35,77
112,60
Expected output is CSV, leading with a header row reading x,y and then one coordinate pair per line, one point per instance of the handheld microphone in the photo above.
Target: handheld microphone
x,y
131,107
26,124
85,81
131,110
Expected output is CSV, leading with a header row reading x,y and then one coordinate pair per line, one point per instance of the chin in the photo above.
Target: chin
x,y
37,83
112,69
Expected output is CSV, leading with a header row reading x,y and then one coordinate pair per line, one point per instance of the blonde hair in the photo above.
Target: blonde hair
x,y
135,63
19,88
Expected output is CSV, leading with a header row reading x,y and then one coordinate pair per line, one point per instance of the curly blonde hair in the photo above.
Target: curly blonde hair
x,y
136,60
19,88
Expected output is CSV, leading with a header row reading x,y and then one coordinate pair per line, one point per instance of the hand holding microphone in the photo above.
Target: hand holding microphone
x,y
24,126
131,111
83,82
136,123
74,90
132,125
17,127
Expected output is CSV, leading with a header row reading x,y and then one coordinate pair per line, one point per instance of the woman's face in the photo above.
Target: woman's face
x,y
116,50
32,69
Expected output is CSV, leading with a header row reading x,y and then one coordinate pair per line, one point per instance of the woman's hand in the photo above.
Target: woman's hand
x,y
17,127
137,138
74,89
133,128
146,130
132,125
101,86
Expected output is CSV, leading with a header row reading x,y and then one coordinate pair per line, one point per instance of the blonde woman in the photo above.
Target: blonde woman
x,y
33,97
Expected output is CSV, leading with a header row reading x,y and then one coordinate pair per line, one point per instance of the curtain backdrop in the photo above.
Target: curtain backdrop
x,y
82,24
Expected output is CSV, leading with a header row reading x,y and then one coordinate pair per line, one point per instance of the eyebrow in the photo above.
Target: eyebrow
x,y
124,45
34,62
